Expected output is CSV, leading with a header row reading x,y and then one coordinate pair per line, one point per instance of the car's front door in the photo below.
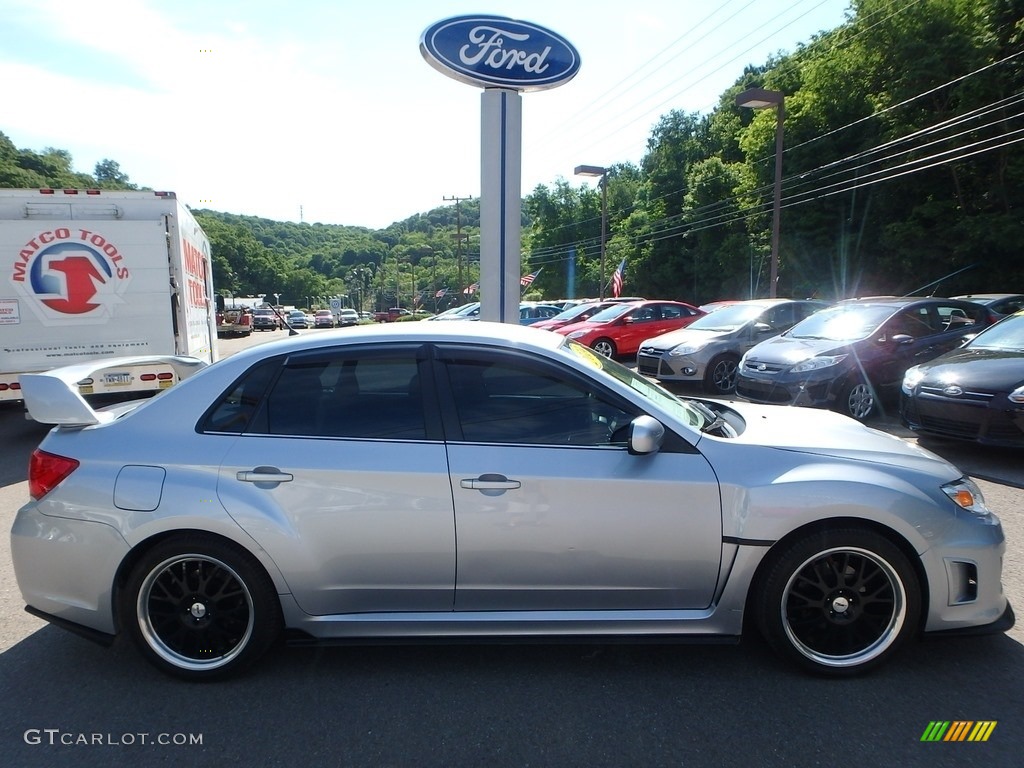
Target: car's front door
x,y
553,513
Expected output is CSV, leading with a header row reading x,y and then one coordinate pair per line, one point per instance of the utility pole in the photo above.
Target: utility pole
x,y
458,239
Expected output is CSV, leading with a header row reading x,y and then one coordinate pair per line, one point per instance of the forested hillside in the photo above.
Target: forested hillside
x,y
903,163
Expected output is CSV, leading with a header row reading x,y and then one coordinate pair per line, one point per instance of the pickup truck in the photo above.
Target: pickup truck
x,y
391,315
234,322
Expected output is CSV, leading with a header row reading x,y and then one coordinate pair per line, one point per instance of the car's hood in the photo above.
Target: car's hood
x,y
987,369
685,336
825,433
787,350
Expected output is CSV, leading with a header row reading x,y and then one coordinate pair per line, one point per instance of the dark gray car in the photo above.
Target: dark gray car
x,y
709,350
844,357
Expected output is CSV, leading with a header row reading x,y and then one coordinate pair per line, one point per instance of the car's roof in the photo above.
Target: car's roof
x,y
506,334
897,302
987,296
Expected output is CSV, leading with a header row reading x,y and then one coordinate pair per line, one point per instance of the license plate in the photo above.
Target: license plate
x,y
117,379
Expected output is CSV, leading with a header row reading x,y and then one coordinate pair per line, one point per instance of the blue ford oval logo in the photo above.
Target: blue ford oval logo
x,y
499,52
952,391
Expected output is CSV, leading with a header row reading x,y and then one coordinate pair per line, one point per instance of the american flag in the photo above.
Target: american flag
x,y
527,279
440,293
471,289
617,279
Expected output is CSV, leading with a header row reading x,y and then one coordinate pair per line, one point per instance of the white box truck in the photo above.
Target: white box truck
x,y
93,275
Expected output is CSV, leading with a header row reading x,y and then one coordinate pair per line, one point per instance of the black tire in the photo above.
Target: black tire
x,y
604,347
200,608
857,399
720,375
838,603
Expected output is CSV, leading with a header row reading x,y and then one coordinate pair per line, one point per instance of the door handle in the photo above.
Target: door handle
x,y
490,483
265,475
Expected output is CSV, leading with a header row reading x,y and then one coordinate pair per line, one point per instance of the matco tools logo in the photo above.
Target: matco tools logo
x,y
71,276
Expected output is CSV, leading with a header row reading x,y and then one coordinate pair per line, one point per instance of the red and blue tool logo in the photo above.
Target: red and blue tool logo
x,y
71,276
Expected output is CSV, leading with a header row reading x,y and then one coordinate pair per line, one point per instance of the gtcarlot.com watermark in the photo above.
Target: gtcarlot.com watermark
x,y
55,737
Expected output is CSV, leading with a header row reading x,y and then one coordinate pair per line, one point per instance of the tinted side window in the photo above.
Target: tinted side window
x,y
372,397
781,317
505,402
956,318
671,312
644,314
236,408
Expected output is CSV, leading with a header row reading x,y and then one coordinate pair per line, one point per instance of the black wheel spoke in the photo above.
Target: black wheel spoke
x,y
197,609
841,604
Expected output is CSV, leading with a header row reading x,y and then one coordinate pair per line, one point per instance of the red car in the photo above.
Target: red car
x,y
576,314
618,330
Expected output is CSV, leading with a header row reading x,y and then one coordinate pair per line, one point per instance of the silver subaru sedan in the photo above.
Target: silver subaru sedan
x,y
480,480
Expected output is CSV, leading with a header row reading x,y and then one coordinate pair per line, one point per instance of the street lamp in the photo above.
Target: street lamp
x,y
759,98
598,171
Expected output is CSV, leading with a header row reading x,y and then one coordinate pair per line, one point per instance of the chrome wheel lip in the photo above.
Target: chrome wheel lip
x,y
886,637
603,348
157,643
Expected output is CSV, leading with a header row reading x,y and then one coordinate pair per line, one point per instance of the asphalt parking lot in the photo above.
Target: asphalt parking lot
x,y
69,702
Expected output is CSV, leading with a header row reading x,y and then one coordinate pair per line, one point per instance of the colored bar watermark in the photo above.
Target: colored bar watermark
x,y
959,730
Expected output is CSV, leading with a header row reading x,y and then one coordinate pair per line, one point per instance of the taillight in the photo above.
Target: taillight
x,y
46,471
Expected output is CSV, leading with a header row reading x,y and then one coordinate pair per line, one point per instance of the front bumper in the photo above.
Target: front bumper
x,y
964,570
818,389
988,419
666,368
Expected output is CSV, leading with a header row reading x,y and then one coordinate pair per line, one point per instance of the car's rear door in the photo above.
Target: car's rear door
x,y
341,475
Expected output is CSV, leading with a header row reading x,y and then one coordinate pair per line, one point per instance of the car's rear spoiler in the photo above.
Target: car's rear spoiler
x,y
52,397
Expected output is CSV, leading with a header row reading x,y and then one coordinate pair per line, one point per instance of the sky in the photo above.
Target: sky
x,y
325,110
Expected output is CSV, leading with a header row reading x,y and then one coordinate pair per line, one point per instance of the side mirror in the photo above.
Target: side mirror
x,y
645,435
901,338
762,328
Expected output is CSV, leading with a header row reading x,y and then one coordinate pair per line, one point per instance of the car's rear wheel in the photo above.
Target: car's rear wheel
x,y
200,608
605,347
720,377
857,399
838,602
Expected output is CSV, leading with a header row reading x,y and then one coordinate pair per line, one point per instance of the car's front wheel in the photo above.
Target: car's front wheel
x,y
857,399
720,378
838,602
605,347
200,608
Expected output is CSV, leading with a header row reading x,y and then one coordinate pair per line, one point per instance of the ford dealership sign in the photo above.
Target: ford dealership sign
x,y
498,52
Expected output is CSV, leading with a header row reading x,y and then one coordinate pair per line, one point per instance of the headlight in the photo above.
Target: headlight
x,y
1017,396
817,363
577,334
687,349
967,495
911,379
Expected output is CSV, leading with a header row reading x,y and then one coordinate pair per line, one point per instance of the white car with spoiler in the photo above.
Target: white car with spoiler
x,y
433,481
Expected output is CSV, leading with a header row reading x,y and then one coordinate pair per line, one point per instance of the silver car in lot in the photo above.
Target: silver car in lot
x,y
708,351
485,481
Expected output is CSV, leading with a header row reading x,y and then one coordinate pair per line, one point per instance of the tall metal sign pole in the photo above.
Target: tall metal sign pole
x,y
505,57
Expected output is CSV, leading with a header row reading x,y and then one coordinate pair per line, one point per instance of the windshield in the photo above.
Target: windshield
x,y
727,318
611,313
845,323
572,312
1007,334
683,410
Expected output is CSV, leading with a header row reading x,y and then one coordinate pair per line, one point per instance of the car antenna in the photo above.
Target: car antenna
x,y
936,283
